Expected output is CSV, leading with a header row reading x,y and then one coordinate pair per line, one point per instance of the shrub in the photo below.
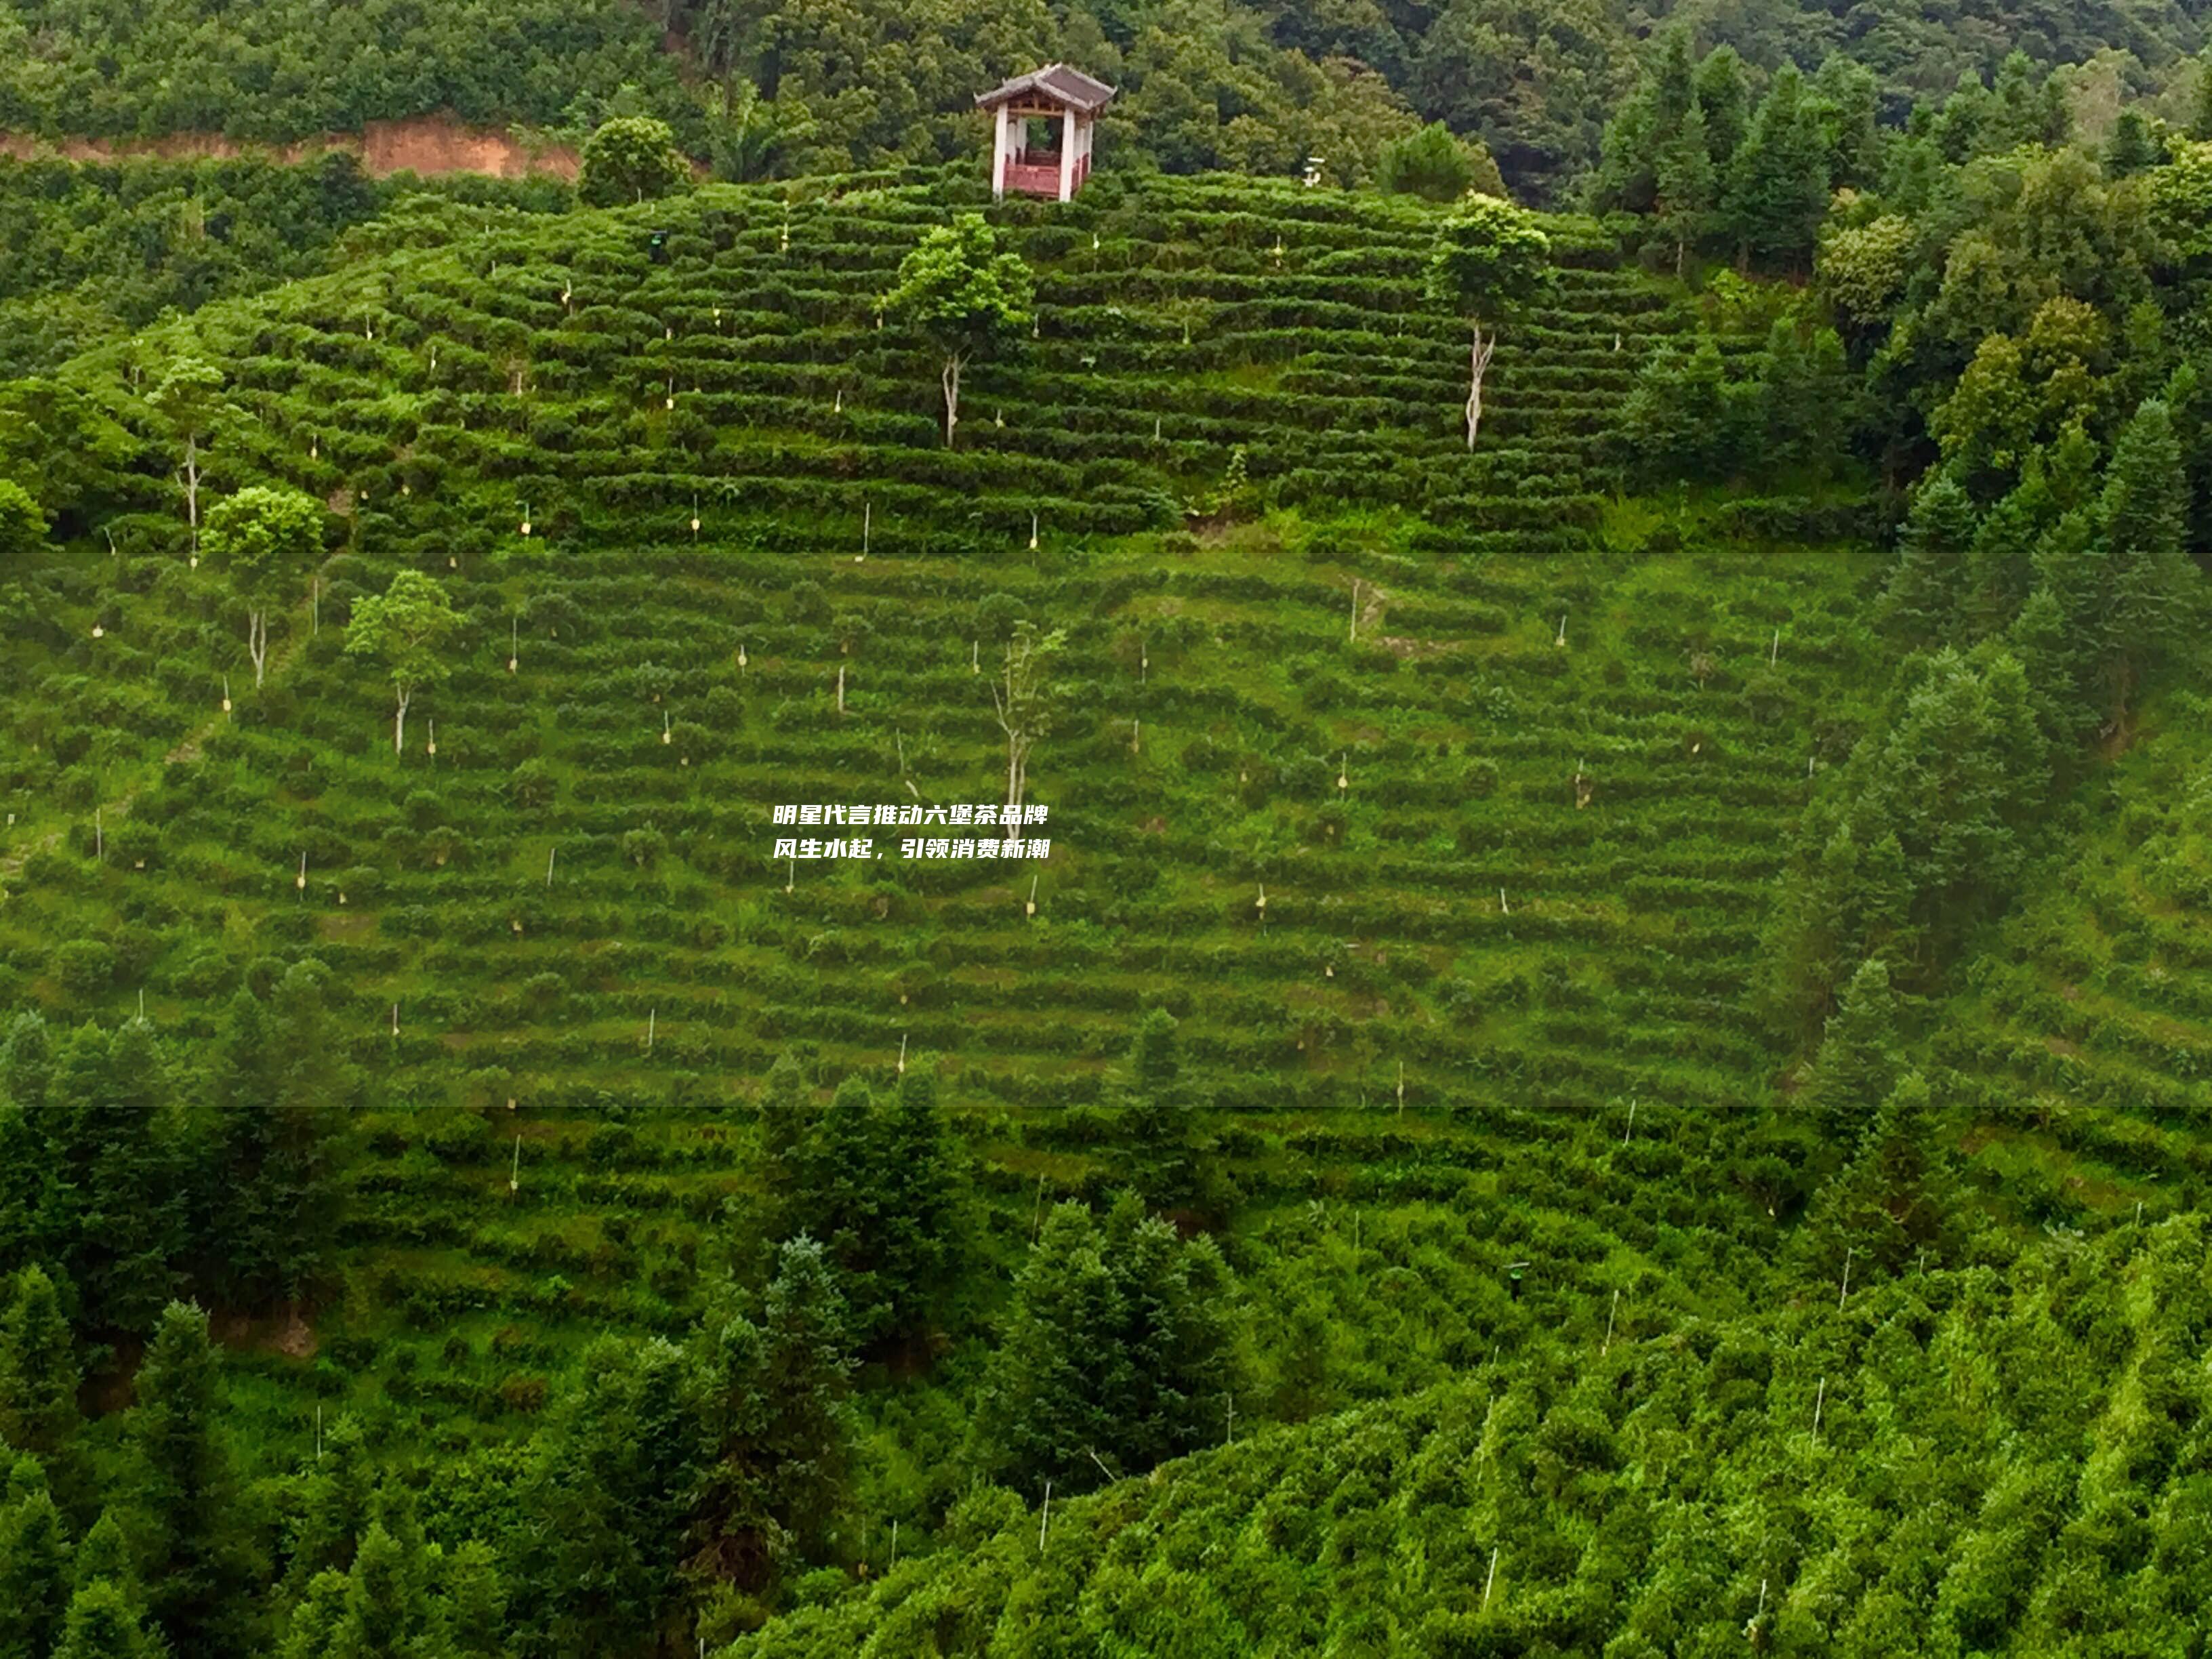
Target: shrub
x,y
85,966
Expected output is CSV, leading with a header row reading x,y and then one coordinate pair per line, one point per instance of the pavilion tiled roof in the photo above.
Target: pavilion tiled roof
x,y
1082,93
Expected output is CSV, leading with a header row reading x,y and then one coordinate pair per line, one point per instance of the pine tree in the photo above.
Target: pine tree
x,y
779,1422
607,1500
35,1566
1161,1159
1847,103
1685,186
2001,563
1676,422
788,1119
180,1497
1858,1060
925,1189
1174,1338
274,1201
842,1203
1777,180
2132,148
38,1372
1057,1371
807,1379
472,1614
1895,1201
1805,394
111,1207
105,1622
1921,602
2156,595
1724,100
336,1491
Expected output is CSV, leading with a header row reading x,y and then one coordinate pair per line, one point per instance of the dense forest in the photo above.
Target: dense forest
x,y
1605,1045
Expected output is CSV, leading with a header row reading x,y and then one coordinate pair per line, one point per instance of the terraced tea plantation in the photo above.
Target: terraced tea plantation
x,y
2082,1042
1438,795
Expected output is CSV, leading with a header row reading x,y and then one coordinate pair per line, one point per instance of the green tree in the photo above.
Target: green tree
x,y
1684,190
1805,392
2155,594
406,629
631,159
1678,423
189,397
107,1621
1117,1352
38,1370
332,1510
1534,82
1165,1159
779,1421
23,526
1777,180
1723,93
2132,148
607,1499
180,1497
104,1137
266,540
1056,1372
34,1563
1859,1058
281,1086
1489,257
1896,1202
1922,599
1430,163
964,297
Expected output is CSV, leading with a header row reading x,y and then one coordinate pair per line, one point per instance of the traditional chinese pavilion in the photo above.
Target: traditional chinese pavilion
x,y
1045,122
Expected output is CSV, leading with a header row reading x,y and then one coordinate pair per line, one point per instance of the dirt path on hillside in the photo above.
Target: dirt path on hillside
x,y
425,144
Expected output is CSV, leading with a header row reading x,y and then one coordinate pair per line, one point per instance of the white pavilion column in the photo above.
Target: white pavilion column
x,y
998,156
1068,137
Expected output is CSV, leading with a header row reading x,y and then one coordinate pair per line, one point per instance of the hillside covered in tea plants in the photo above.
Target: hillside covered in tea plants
x,y
1601,1010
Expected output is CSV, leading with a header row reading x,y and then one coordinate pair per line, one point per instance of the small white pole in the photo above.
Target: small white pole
x,y
1606,1346
1630,1129
902,1060
652,1019
1489,1579
1045,1517
1819,1400
514,1172
1846,1290
550,852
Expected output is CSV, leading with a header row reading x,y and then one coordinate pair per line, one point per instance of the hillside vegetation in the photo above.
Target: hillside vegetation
x,y
1592,1044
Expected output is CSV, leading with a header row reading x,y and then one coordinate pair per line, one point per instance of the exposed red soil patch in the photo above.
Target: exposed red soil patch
x,y
425,144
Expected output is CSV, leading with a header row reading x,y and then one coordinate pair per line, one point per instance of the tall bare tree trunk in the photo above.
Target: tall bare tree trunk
x,y
257,641
190,476
1478,365
951,380
399,724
